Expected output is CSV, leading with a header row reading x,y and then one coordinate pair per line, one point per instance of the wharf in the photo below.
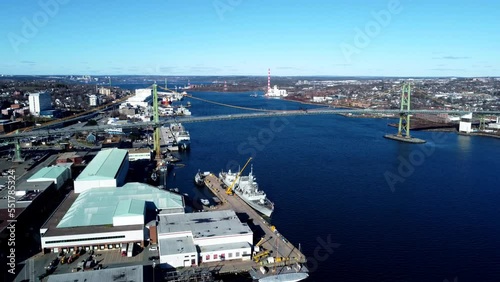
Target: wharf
x,y
166,136
274,242
167,139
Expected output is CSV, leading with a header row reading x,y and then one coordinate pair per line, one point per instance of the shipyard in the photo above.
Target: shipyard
x,y
117,207
238,141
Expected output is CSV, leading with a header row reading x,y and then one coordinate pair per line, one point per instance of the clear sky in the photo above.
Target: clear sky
x,y
233,37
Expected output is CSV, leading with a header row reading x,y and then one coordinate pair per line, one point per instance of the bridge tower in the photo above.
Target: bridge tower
x,y
156,120
404,118
404,114
17,150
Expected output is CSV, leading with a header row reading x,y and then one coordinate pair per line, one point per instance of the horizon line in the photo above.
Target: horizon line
x,y
244,75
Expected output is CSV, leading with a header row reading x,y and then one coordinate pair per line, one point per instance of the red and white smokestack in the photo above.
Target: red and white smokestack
x,y
268,80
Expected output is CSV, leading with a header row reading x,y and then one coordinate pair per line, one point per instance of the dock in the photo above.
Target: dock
x,y
283,252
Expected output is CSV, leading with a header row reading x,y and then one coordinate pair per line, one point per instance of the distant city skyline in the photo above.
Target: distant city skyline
x,y
242,37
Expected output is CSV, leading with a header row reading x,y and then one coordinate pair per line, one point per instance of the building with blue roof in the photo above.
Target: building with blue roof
x,y
107,169
57,174
107,217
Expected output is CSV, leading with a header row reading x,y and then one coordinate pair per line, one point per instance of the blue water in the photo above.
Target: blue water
x,y
327,175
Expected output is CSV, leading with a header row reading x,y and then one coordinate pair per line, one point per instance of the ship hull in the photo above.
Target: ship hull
x,y
266,209
287,277
255,205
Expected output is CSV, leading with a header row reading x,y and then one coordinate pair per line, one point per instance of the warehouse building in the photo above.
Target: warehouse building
x,y
57,174
137,154
189,239
105,218
107,169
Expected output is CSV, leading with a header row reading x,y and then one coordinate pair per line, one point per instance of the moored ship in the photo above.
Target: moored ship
x,y
181,136
247,189
199,178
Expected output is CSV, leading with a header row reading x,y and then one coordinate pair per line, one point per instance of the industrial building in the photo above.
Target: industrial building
x,y
105,218
465,123
275,92
39,102
139,154
188,239
142,98
57,174
107,169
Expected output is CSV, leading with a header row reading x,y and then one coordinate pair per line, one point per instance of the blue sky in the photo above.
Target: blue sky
x,y
233,37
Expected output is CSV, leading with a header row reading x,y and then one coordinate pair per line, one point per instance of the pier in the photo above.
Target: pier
x,y
273,243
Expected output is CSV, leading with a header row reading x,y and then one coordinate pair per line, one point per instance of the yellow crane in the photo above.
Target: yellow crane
x,y
229,189
261,255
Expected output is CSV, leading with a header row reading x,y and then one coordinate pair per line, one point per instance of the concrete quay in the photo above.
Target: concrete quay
x,y
274,242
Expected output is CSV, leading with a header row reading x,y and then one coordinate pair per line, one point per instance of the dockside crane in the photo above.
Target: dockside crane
x,y
229,189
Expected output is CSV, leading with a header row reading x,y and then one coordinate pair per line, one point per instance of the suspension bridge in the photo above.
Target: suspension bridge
x,y
403,134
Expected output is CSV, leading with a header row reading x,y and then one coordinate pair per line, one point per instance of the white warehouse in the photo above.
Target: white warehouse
x,y
189,239
107,169
141,98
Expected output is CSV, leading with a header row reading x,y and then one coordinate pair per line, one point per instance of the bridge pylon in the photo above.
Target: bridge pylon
x,y
404,118
17,151
156,120
404,115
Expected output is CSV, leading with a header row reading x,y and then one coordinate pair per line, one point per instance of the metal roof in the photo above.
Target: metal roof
x,y
204,224
178,245
51,172
224,247
105,165
98,206
130,207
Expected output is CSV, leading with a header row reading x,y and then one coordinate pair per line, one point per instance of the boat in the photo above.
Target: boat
x,y
199,178
254,95
182,111
154,176
287,273
181,136
205,202
247,189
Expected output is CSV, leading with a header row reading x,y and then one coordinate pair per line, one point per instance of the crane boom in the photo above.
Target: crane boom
x,y
229,190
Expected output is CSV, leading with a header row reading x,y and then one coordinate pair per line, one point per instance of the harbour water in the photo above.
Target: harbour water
x,y
362,207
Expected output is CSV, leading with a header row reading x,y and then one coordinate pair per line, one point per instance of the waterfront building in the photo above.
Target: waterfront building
x,y
106,218
187,239
465,123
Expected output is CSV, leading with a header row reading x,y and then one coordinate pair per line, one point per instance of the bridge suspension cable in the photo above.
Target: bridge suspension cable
x,y
232,106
